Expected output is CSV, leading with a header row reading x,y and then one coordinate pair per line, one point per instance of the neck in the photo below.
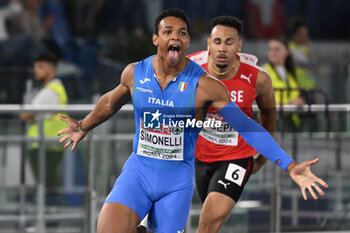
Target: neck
x,y
225,73
46,81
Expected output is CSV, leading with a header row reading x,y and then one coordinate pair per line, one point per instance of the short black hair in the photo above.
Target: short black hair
x,y
227,21
47,57
175,12
294,25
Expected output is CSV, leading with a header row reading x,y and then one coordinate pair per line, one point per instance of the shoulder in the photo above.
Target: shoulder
x,y
263,82
128,74
209,83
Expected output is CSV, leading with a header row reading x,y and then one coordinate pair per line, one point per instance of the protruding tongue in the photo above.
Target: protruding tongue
x,y
173,56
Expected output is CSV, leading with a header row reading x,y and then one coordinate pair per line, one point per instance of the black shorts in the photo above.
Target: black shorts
x,y
226,177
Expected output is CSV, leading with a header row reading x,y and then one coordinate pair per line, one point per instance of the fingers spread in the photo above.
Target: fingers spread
x,y
312,193
67,144
304,194
62,131
319,190
324,184
64,139
312,162
74,146
63,118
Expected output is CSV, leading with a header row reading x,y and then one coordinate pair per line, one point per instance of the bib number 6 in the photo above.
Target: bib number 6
x,y
235,173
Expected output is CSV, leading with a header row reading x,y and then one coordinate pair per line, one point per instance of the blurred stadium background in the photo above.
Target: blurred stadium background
x,y
95,39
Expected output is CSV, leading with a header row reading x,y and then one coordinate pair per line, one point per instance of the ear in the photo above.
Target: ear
x,y
208,43
155,39
189,39
240,45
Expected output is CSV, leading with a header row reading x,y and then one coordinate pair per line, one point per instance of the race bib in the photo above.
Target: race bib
x,y
223,135
164,143
235,173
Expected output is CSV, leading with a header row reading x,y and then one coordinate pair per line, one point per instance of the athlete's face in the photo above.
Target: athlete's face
x,y
43,70
223,44
172,39
277,52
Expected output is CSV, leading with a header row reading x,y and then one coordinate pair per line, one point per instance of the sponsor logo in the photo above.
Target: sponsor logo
x,y
145,80
246,78
224,184
180,231
182,86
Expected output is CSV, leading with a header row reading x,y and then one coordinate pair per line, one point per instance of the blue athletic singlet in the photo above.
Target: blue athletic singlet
x,y
158,176
161,143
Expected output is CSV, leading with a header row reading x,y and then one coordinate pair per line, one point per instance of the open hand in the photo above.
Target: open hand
x,y
302,175
73,133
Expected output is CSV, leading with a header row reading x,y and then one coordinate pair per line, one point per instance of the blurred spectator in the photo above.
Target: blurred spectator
x,y
27,22
7,9
86,12
282,72
80,52
264,19
52,92
301,53
58,34
11,46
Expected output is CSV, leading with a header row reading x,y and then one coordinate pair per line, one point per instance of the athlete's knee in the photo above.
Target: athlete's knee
x,y
213,218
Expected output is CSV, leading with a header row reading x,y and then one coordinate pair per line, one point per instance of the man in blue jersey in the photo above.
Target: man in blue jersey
x,y
170,95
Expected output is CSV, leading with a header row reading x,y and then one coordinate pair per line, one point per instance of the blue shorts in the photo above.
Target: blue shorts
x,y
165,196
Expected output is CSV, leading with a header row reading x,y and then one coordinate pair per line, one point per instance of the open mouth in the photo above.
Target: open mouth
x,y
174,48
173,54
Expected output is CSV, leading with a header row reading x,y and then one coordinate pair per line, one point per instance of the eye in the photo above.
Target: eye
x,y
217,41
167,32
183,33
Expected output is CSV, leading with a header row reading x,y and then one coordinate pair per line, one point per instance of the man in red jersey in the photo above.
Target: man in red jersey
x,y
224,161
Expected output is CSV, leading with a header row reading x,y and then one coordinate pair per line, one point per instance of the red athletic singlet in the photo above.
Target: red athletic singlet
x,y
223,143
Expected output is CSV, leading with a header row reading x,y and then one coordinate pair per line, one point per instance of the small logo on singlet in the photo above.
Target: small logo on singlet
x,y
145,80
224,184
180,231
182,86
246,78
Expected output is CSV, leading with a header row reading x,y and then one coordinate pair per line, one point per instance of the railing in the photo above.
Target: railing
x,y
90,209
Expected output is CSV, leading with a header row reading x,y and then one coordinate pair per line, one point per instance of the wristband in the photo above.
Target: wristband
x,y
255,135
81,129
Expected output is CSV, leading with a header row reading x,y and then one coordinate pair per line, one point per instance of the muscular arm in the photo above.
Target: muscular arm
x,y
112,101
265,99
107,105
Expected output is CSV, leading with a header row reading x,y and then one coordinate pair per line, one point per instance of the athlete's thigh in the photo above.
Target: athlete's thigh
x,y
116,217
203,173
129,191
169,214
230,177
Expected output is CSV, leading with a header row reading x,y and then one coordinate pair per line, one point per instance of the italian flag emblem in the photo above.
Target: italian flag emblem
x,y
182,86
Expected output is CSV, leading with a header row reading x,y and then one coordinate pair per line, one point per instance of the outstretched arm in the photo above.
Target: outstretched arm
x,y
107,106
256,136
